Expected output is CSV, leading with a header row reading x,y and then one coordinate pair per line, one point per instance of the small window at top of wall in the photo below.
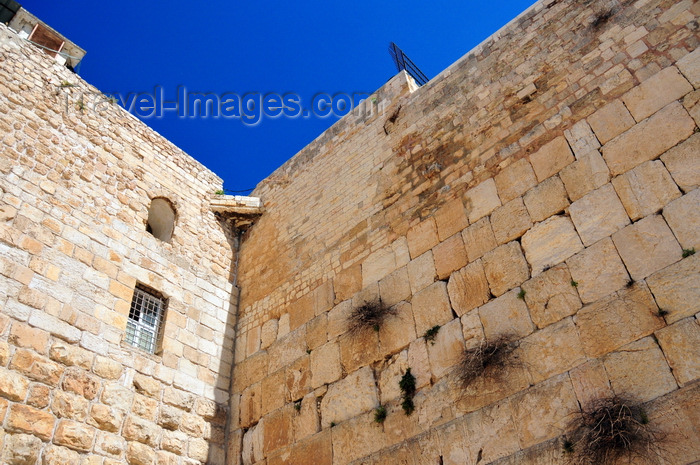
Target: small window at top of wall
x,y
161,219
146,315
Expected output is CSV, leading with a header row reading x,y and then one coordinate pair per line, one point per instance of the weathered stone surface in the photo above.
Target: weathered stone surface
x,y
56,455
145,407
481,200
506,316
431,307
67,405
515,180
447,348
551,158
39,396
581,139
71,355
542,412
645,189
346,283
689,65
298,378
587,173
550,296
22,335
590,382
286,350
419,362
505,267
508,222
140,454
36,367
552,350
144,431
677,288
647,246
317,332
273,390
656,92
639,370
26,419
74,435
678,342
81,383
106,418
546,199
306,421
21,449
648,139
421,272
598,271
390,376
683,163
193,425
268,333
395,287
598,214
422,237
353,395
549,243
468,288
13,386
399,329
491,433
683,216
479,239
610,121
106,368
198,449
616,320
379,264
173,441
325,364
451,218
449,255
359,349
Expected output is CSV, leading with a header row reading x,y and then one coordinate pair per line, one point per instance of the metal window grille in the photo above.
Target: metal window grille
x,y
145,316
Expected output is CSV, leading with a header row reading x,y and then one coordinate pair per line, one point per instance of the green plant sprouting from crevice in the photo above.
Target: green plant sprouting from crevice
x,y
431,334
688,252
380,414
407,384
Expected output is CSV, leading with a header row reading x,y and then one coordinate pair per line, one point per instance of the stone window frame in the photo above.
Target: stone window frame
x,y
144,327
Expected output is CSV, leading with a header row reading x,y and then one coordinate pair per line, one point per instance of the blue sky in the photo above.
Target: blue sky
x,y
231,46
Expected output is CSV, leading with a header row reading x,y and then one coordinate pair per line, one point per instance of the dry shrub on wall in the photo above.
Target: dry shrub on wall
x,y
369,315
489,355
612,431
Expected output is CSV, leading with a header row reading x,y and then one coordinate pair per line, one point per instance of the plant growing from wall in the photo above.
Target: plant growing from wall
x,y
688,252
430,334
407,384
612,429
369,315
489,354
380,414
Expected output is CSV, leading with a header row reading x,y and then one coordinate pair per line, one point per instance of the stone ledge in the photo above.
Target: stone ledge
x,y
242,209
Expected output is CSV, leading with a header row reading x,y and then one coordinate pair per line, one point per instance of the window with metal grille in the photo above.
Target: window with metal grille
x,y
145,317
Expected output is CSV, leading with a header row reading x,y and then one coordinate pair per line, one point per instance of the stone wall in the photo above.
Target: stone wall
x,y
75,187
544,188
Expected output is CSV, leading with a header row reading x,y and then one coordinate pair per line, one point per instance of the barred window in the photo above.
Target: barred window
x,y
145,317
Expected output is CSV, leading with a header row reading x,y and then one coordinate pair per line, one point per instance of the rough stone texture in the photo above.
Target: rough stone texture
x,y
549,243
647,246
656,92
349,397
683,216
479,239
610,121
552,351
449,255
506,316
683,163
581,139
481,200
678,341
598,271
645,189
677,288
689,65
505,267
598,214
431,307
551,158
468,288
546,199
587,173
509,222
445,351
550,296
515,180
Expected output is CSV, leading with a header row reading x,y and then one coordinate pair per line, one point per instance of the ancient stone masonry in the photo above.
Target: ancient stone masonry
x,y
544,189
76,185
535,205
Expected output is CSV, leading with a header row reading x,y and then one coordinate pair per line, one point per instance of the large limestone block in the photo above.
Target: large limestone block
x,y
36,367
278,429
13,386
509,221
379,264
390,376
21,449
648,139
450,219
587,173
449,255
76,435
447,348
677,288
286,350
552,350
505,268
590,382
421,272
506,316
514,180
273,391
581,138
689,65
317,332
252,447
422,237
399,330
347,282
542,412
656,92
431,307
550,296
639,371
481,200
356,438
598,271
610,121
349,397
680,343
306,421
683,216
546,199
491,432
479,239
598,214
549,243
298,378
300,312
359,349
683,163
140,454
551,158
616,320
645,189
419,362
647,246
57,455
251,405
468,288
337,319
395,287
25,419
316,450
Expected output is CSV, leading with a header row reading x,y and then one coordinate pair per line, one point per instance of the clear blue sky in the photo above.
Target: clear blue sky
x,y
232,46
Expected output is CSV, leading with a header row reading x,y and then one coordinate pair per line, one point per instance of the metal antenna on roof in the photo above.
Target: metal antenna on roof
x,y
402,62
